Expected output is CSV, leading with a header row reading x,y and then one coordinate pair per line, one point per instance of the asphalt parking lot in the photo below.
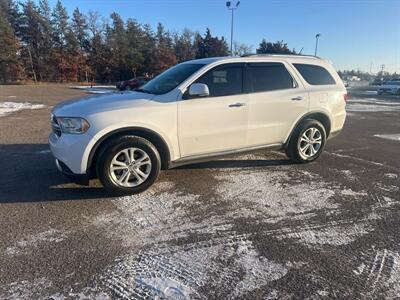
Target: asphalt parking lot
x,y
253,226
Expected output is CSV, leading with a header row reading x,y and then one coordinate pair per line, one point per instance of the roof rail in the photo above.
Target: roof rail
x,y
278,54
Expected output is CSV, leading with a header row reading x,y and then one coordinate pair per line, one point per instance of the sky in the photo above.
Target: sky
x,y
355,34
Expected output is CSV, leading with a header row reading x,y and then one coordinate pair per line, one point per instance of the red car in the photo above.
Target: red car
x,y
132,84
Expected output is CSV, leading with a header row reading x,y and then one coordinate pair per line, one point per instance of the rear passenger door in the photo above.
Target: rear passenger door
x,y
276,100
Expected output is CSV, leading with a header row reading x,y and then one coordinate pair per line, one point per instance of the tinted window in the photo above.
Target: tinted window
x,y
315,75
170,79
223,80
268,77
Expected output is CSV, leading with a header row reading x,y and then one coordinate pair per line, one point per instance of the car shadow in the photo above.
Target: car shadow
x,y
28,174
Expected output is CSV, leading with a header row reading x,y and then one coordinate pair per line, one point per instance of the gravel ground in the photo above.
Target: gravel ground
x,y
252,226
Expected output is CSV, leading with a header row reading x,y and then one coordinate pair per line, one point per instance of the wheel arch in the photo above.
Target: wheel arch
x,y
156,139
316,115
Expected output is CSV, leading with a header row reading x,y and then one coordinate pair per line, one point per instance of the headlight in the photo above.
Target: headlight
x,y
73,125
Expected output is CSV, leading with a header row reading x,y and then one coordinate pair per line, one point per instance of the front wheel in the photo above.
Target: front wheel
x,y
307,142
128,165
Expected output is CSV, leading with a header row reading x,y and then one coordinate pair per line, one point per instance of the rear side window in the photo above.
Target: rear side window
x,y
262,77
224,80
315,75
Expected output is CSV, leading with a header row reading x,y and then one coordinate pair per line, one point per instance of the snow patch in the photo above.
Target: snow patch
x,y
43,152
7,108
373,101
336,236
258,193
32,241
393,137
173,249
100,91
381,272
391,175
88,87
26,289
358,107
179,271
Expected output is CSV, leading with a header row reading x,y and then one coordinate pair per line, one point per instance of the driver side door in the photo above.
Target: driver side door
x,y
218,122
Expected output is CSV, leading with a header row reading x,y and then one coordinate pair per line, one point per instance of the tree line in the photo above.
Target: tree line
x,y
41,43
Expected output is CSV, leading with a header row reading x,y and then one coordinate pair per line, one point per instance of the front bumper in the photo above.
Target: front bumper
x,y
82,179
71,150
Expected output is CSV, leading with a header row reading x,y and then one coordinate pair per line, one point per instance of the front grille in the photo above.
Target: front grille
x,y
55,126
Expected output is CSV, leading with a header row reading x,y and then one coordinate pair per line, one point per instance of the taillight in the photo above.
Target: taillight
x,y
345,97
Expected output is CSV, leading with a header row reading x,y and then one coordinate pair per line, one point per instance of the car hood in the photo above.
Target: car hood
x,y
85,106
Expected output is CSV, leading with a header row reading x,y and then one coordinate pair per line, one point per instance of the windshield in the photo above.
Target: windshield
x,y
170,79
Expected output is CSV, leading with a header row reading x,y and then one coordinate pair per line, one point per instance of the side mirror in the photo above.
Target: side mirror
x,y
198,90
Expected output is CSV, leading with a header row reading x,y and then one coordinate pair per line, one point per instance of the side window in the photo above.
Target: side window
x,y
223,80
315,75
262,77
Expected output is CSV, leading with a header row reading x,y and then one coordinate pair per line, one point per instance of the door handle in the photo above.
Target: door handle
x,y
298,98
237,104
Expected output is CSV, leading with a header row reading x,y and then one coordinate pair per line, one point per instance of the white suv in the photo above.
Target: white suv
x,y
196,111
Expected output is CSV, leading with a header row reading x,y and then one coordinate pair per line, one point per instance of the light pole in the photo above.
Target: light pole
x,y
232,9
316,43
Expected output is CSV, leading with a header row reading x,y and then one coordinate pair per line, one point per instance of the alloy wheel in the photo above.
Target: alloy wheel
x,y
130,167
310,143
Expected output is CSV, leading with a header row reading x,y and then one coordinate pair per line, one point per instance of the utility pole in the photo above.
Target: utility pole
x,y
316,43
232,9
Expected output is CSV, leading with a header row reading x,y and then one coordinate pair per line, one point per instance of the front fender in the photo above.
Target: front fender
x,y
115,129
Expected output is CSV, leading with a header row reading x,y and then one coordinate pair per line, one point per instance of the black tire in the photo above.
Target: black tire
x,y
293,147
111,149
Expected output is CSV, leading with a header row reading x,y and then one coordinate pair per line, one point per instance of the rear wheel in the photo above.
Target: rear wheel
x,y
128,165
307,142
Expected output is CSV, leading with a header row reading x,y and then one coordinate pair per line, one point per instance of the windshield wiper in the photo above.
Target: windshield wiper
x,y
142,91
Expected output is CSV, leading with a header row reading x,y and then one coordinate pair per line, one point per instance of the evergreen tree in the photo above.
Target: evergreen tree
x,y
278,47
60,24
40,42
80,29
134,58
164,56
209,46
31,38
9,62
45,59
185,46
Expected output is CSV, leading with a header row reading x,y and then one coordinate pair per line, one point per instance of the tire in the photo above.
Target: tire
x,y
115,162
298,141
